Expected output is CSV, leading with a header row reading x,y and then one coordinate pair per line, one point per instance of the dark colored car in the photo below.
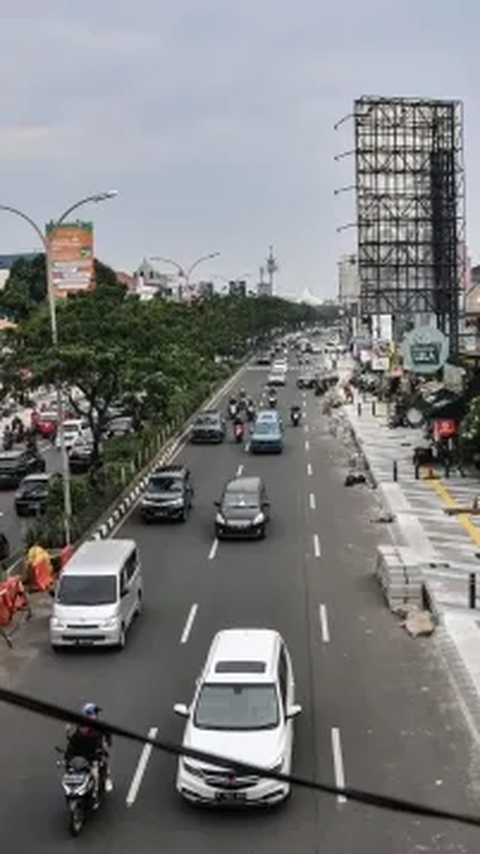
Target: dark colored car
x,y
306,381
120,425
208,427
264,359
169,494
32,495
16,464
243,510
80,456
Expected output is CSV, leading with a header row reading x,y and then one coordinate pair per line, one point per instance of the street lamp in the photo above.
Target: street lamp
x,y
182,273
46,243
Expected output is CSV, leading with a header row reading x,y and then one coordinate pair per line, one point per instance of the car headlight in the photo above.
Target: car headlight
x,y
111,623
55,623
176,502
259,518
192,769
220,518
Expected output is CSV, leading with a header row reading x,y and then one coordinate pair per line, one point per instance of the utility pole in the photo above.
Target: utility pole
x,y
272,268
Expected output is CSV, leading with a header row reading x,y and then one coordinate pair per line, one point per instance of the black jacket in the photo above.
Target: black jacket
x,y
89,745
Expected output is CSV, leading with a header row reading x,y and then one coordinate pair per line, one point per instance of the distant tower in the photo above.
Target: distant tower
x,y
272,268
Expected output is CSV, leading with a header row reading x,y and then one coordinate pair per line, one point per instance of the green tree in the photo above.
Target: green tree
x,y
26,287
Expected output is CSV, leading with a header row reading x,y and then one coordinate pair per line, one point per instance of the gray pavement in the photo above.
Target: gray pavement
x,y
377,705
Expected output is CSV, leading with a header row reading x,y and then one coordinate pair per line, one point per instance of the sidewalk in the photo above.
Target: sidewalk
x,y
447,547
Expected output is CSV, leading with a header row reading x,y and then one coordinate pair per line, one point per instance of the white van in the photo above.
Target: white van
x,y
73,430
97,596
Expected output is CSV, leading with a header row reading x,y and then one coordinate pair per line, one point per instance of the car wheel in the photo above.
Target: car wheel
x,y
139,608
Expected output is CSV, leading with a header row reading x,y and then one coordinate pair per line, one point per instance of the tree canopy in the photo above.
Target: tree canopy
x,y
164,355
26,287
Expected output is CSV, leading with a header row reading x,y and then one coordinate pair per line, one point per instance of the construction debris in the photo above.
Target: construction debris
x,y
386,518
418,623
354,478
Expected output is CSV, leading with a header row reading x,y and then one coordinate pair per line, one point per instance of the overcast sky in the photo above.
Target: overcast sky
x,y
214,120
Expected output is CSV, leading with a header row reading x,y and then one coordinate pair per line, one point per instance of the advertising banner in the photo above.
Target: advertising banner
x,y
71,256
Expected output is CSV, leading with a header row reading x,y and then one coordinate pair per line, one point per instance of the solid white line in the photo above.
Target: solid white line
x,y
306,428
307,445
316,545
213,550
313,503
324,623
240,471
188,625
141,768
309,469
338,763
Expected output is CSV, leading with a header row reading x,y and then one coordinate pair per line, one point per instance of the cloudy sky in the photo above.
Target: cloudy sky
x,y
214,120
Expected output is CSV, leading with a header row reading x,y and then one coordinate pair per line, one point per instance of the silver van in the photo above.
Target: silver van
x,y
97,596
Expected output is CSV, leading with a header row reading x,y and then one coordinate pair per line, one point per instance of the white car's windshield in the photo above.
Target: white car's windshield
x,y
237,707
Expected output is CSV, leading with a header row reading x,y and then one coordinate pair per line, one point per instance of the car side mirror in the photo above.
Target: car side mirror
x,y
123,593
182,710
52,592
294,711
266,504
217,504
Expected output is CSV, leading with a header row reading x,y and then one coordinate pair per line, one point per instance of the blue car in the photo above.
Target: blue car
x,y
267,437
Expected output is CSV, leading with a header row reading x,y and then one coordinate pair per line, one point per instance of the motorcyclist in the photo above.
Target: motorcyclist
x,y
92,745
250,409
7,439
295,412
232,407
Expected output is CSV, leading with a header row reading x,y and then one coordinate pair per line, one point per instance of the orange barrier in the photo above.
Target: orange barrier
x,y
41,573
12,599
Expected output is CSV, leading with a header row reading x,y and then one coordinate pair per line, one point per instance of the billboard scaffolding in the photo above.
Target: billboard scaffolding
x,y
410,195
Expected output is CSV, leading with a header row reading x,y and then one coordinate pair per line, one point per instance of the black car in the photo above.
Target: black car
x,y
120,425
264,359
32,495
16,464
169,494
208,427
80,456
306,381
243,510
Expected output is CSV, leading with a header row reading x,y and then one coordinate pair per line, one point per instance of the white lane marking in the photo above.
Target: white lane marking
x,y
316,546
306,428
141,768
309,469
324,623
313,503
240,470
213,550
338,763
178,445
307,445
188,625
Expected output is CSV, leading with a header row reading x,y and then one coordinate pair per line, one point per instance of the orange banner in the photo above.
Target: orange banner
x,y
71,256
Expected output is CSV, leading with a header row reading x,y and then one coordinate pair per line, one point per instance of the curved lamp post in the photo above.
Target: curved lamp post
x,y
182,272
46,243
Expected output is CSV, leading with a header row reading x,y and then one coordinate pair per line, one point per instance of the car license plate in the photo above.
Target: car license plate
x,y
230,797
237,524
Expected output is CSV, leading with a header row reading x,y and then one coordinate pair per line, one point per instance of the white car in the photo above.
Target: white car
x,y
277,378
73,431
280,365
243,709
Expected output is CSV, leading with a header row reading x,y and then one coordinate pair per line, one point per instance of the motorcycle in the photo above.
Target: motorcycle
x,y
79,786
238,430
295,417
272,401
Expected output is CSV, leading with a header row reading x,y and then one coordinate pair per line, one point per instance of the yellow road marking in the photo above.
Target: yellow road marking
x,y
450,501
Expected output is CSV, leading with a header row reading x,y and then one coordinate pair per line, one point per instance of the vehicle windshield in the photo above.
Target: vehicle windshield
x,y
240,499
165,483
31,486
265,427
207,418
237,707
87,590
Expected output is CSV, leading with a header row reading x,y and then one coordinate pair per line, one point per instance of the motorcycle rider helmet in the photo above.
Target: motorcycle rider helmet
x,y
90,710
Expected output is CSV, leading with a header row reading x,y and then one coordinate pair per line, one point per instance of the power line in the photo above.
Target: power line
x,y
385,802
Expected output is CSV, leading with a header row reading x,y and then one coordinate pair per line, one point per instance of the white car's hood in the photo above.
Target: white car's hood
x,y
83,613
263,748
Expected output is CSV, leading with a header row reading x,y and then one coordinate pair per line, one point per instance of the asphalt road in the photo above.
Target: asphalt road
x,y
377,709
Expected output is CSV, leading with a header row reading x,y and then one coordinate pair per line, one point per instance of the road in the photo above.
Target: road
x,y
377,708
